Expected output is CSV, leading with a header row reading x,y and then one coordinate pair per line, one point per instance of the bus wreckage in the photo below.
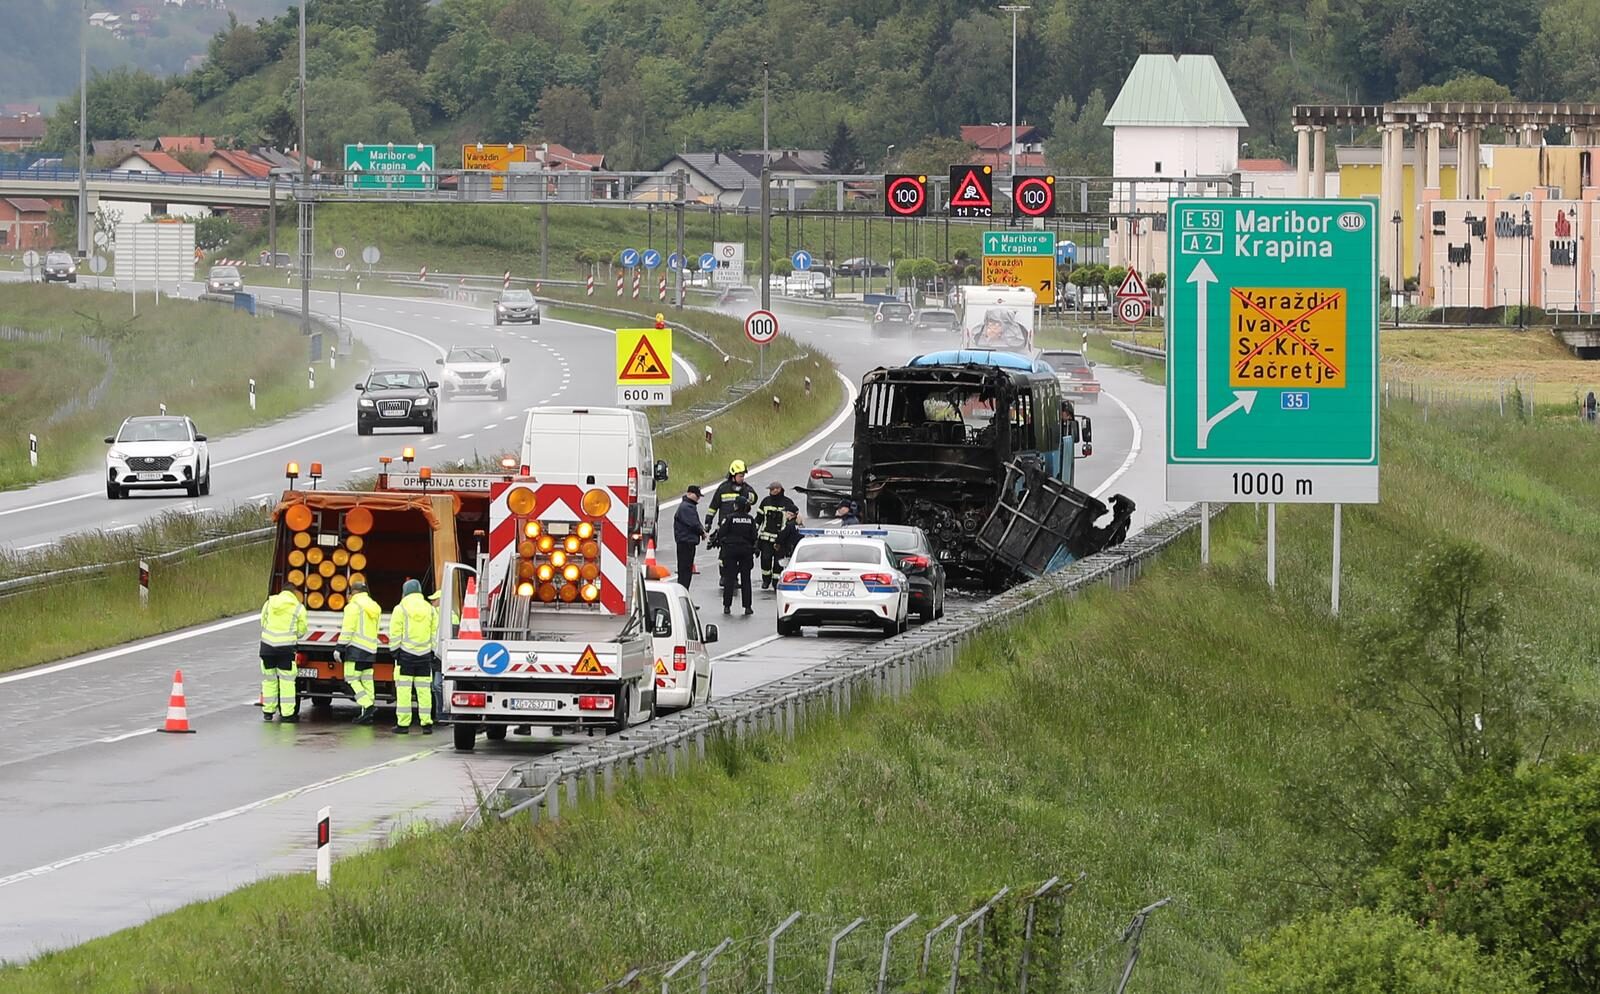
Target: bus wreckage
x,y
979,450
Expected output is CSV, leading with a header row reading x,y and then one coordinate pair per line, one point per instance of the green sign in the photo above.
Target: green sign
x,y
1272,351
389,167
1019,243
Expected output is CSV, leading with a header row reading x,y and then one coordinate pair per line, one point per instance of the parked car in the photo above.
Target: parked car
x,y
862,267
843,577
59,268
937,319
1094,298
279,260
157,453
914,556
1074,373
476,369
737,295
397,397
682,661
516,305
892,316
831,479
224,279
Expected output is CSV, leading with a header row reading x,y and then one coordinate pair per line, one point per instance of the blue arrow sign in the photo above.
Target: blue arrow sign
x,y
801,260
652,258
708,261
493,658
630,257
675,261
1066,252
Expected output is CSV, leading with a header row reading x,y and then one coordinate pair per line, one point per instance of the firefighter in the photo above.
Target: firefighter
x,y
728,491
737,538
283,625
412,627
358,647
771,516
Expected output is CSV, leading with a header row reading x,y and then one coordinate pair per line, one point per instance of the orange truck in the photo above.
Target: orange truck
x,y
410,526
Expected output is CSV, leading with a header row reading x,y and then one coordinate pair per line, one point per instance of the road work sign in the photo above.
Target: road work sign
x,y
1272,351
1036,272
644,367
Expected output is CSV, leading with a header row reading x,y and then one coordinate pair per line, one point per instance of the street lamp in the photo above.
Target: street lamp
x,y
1394,294
83,132
1469,220
303,201
1014,9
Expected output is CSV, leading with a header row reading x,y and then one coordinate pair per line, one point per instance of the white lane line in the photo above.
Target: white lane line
x,y
36,545
208,820
488,427
1133,450
362,469
131,648
433,447
122,528
127,735
258,497
509,417
463,438
758,643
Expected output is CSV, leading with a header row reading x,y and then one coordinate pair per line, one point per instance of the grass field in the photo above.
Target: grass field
x,y
1144,737
197,358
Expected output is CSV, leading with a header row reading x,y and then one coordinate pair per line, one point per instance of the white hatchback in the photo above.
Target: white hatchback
x,y
682,661
842,576
157,453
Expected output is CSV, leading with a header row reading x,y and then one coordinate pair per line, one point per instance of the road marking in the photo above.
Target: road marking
x,y
128,735
1133,450
488,427
122,528
463,438
258,497
509,417
208,820
362,469
36,545
131,648
758,643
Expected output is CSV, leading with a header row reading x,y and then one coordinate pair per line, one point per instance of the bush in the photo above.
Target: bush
x,y
1361,951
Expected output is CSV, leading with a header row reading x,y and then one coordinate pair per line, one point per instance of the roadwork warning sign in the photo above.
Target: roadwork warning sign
x,y
1287,337
644,356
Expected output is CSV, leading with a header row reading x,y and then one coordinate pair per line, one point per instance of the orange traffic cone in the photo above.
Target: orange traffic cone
x,y
471,627
177,710
652,571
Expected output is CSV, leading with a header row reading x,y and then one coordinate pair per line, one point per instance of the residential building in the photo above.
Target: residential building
x,y
555,156
173,144
1274,178
21,131
237,164
25,224
152,162
725,179
994,146
18,110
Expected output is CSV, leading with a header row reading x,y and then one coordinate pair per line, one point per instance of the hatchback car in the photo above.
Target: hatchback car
x,y
397,398
892,316
1074,373
830,481
59,268
224,279
937,319
474,369
682,661
157,453
914,556
516,306
842,576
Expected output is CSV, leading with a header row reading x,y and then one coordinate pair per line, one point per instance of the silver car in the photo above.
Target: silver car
x,y
474,369
830,480
516,305
224,279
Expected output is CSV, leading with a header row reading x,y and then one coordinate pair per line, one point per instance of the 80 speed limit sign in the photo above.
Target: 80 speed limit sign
x,y
1132,309
761,327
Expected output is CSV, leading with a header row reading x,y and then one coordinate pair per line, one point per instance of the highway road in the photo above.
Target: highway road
x,y
108,824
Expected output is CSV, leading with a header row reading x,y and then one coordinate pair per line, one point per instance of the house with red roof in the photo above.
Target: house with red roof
x,y
236,164
151,162
173,144
21,131
994,145
555,155
24,223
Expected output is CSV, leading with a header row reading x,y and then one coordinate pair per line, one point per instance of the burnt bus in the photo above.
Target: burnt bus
x,y
979,450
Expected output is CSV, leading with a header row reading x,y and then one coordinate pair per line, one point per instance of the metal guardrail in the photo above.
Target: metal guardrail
x,y
1146,351
889,668
23,584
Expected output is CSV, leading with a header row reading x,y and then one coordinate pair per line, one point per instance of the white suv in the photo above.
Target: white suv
x,y
682,661
157,453
477,369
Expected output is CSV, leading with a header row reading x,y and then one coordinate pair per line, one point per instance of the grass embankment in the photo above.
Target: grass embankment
x,y
1486,359
1151,748
197,358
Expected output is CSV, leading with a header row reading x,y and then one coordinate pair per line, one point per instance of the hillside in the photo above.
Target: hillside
x,y
640,79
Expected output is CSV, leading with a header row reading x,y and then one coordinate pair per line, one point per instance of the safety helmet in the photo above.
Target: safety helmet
x,y
736,467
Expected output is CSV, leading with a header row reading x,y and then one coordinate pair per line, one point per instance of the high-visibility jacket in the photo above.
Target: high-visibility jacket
x,y
361,623
283,620
413,625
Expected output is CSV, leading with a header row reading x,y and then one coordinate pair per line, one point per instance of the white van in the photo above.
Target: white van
x,y
682,662
589,446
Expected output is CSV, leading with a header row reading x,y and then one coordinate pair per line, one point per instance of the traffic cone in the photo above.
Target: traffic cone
x,y
471,628
177,710
651,570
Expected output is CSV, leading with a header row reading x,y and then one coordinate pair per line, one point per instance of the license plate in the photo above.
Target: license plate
x,y
845,589
308,673
151,476
530,704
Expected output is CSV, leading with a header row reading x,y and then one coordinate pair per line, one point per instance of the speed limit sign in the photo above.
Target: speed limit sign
x,y
761,327
1131,309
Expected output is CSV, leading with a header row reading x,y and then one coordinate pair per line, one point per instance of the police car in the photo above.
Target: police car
x,y
843,576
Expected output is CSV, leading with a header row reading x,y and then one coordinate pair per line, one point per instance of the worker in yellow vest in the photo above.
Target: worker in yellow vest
x,y
358,647
412,627
283,625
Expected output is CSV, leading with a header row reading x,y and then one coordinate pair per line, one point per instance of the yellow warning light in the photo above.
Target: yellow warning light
x,y
558,558
341,557
525,570
546,543
520,500
591,549
355,543
525,549
585,529
547,592
590,571
591,592
546,572
358,578
336,601
314,601
408,453
295,578
302,539
570,573
596,503
313,582
569,593
326,567
358,562
571,544
296,557
532,529
339,582
313,556
524,590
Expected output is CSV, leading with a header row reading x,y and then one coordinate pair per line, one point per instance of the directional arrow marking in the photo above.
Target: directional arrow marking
x,y
1202,276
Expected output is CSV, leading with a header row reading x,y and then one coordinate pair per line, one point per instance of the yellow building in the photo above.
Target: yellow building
x,y
1359,176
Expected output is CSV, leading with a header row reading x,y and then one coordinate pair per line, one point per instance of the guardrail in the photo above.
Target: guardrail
x,y
887,669
23,584
1146,351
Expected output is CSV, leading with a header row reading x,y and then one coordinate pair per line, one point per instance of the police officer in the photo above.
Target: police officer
x,y
771,516
728,491
737,538
358,647
412,626
283,625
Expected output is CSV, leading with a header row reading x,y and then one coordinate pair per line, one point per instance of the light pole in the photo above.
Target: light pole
x,y
1394,294
766,87
1013,9
83,131
302,202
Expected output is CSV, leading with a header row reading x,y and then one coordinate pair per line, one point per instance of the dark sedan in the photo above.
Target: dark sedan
x,y
397,398
892,317
914,556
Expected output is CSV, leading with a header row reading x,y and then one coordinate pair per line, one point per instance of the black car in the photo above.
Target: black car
x,y
892,316
914,556
59,268
401,397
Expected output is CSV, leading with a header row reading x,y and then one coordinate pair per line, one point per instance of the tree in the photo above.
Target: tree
x,y
1508,860
565,115
1361,951
393,76
1079,143
175,112
1466,88
403,27
238,51
842,155
212,233
783,267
